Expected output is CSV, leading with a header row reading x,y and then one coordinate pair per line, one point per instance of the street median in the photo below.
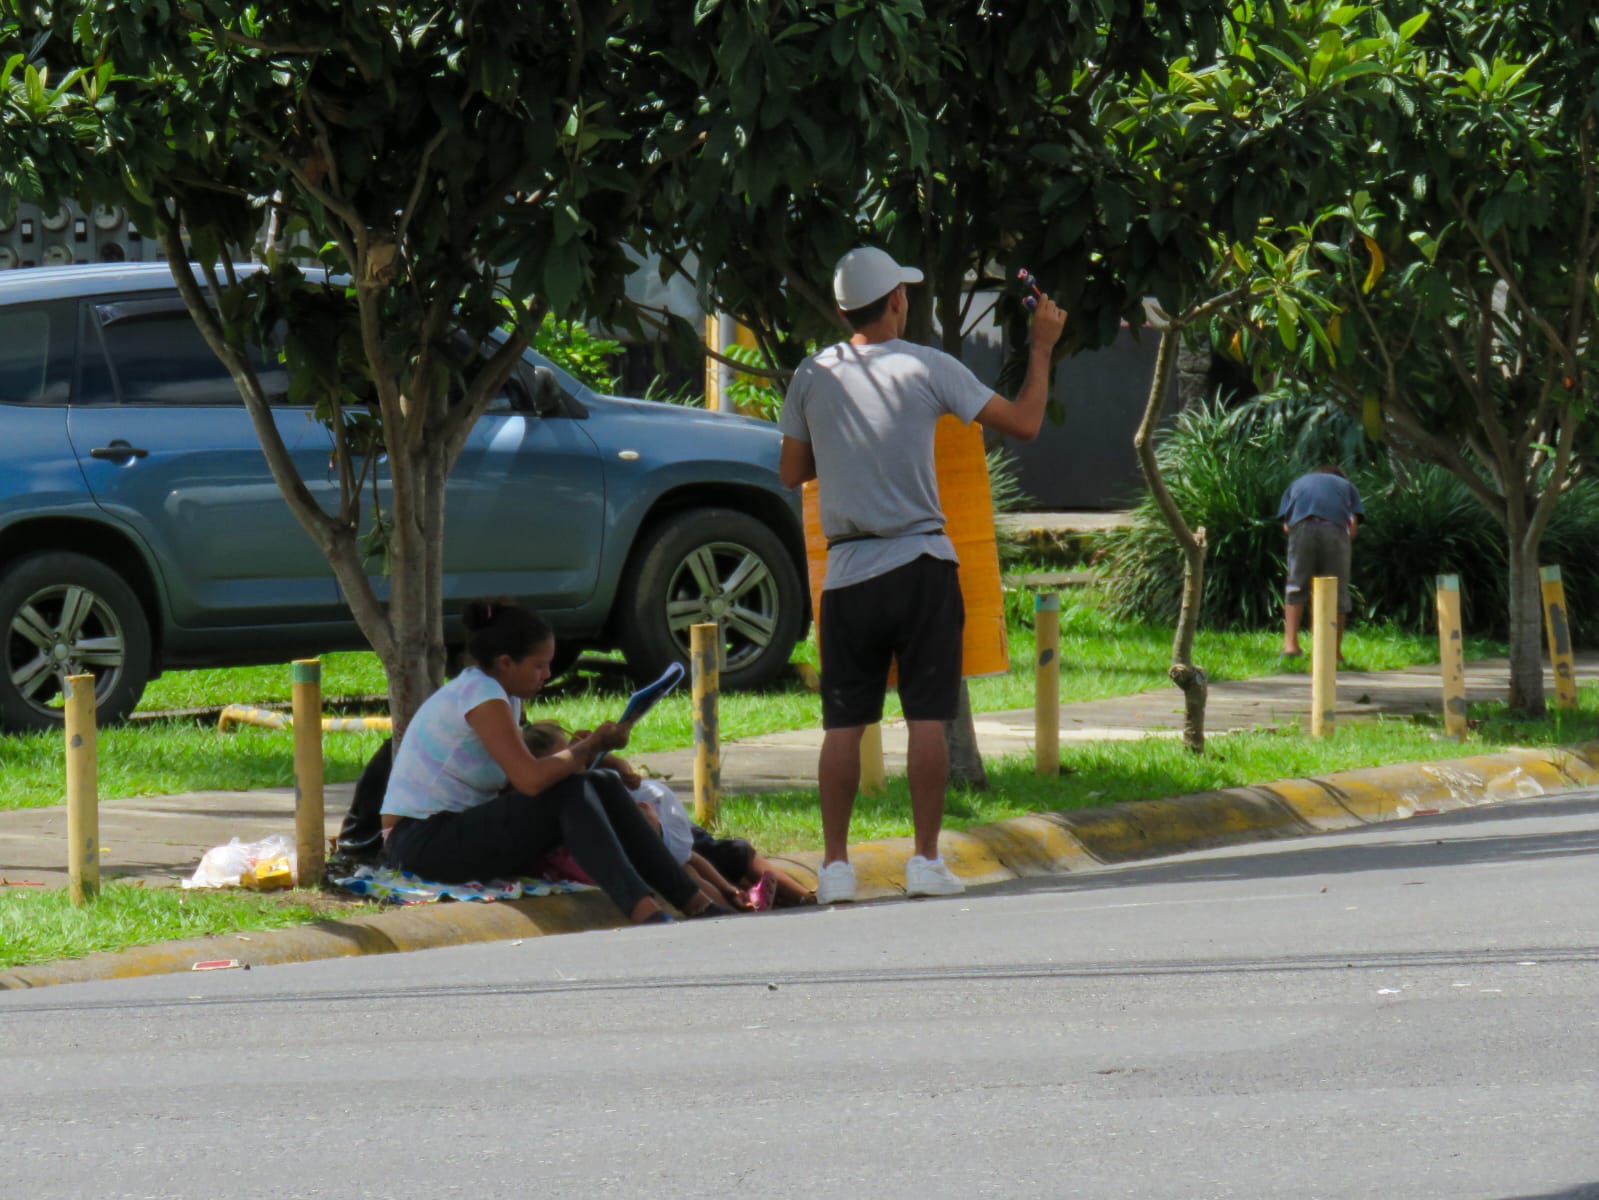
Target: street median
x,y
1042,844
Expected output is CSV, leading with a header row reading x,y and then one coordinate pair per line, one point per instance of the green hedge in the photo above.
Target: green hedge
x,y
1227,469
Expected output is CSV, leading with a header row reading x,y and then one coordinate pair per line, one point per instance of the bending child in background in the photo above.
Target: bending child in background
x,y
729,871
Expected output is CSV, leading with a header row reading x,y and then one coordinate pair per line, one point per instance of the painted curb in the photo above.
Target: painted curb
x,y
421,927
1041,844
1081,839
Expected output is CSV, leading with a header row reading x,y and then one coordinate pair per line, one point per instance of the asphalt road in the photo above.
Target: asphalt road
x,y
1409,1011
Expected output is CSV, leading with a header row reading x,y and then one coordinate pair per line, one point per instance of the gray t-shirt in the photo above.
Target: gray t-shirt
x,y
868,413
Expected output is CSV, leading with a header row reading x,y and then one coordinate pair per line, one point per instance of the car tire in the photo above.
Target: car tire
x,y
706,564
65,614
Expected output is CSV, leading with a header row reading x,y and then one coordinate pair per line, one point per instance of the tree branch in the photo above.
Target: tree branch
x,y
1416,431
275,51
648,313
415,197
574,69
269,148
485,385
1513,286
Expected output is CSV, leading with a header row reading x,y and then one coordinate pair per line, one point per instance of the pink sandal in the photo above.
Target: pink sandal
x,y
764,893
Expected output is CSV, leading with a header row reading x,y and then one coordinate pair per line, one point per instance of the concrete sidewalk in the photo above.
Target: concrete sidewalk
x,y
159,839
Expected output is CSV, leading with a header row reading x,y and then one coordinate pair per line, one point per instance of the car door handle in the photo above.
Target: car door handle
x,y
119,451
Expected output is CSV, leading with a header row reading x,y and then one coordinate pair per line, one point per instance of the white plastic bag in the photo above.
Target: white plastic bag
x,y
223,866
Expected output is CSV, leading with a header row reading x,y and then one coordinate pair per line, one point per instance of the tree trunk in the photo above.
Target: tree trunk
x,y
1191,679
414,659
1526,623
965,762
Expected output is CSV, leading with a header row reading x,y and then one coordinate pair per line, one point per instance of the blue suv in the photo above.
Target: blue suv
x,y
141,530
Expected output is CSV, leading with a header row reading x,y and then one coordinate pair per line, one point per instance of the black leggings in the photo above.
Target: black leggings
x,y
590,813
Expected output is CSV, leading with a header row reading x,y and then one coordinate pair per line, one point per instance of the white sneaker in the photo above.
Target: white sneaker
x,y
930,877
835,883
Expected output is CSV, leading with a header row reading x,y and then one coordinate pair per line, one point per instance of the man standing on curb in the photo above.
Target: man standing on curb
x,y
859,418
1320,512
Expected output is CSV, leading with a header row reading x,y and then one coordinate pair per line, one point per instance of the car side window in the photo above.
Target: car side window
x,y
150,352
509,399
523,393
36,354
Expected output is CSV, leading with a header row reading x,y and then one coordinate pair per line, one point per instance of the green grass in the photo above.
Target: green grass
x,y
1100,656
1097,773
42,925
346,674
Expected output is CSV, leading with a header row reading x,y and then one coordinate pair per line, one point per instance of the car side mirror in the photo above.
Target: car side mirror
x,y
545,393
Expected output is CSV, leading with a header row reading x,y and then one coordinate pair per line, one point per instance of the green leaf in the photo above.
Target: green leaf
x,y
1115,207
1425,243
1354,70
563,275
1286,326
1410,28
567,221
1321,61
1163,222
1495,211
1058,191
1293,67
33,85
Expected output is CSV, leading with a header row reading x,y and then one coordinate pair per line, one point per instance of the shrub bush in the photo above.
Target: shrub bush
x,y
592,359
1227,469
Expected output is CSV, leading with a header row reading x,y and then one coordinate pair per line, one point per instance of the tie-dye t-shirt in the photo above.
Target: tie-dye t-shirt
x,y
442,764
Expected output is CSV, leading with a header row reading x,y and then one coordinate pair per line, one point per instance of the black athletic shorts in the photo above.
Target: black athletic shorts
x,y
914,614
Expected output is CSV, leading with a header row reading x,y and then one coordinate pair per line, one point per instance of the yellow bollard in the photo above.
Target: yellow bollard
x,y
874,775
310,833
704,658
1559,631
1323,654
713,366
83,795
1452,656
1046,684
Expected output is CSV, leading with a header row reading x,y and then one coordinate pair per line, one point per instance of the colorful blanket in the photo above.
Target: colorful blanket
x,y
402,887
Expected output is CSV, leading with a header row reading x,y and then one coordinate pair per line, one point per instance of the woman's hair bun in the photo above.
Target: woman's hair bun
x,y
480,614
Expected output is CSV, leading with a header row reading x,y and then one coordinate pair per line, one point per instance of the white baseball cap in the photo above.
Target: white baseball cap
x,y
866,274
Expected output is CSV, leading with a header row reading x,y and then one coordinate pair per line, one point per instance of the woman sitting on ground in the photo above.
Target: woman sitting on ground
x,y
466,800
